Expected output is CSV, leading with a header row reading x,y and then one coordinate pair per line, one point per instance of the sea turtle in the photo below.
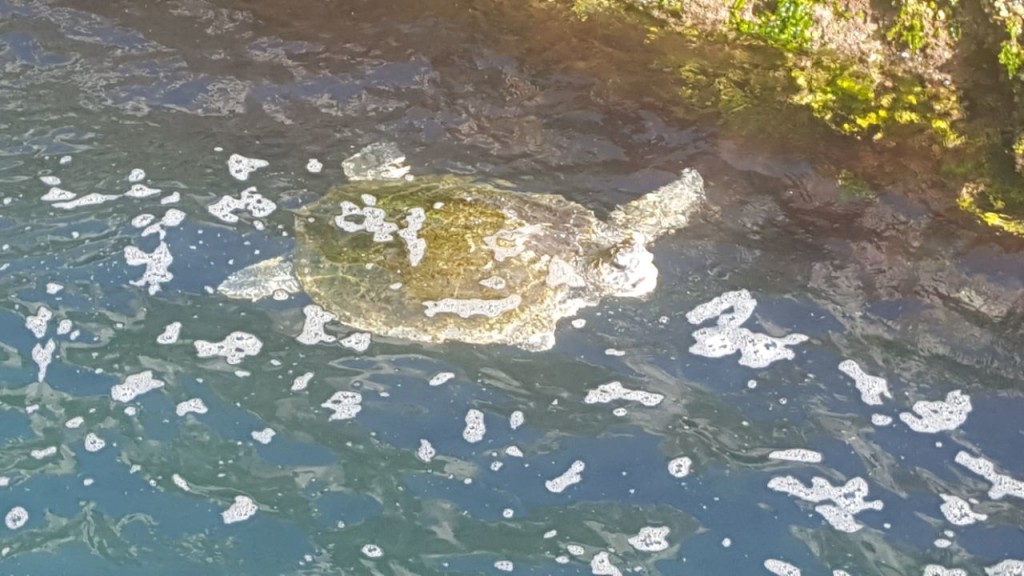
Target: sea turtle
x,y
439,258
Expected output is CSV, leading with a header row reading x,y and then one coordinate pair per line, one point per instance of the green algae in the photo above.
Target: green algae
x,y
786,26
997,205
906,83
1011,53
920,23
859,103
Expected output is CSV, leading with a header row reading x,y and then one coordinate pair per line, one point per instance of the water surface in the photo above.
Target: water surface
x,y
892,278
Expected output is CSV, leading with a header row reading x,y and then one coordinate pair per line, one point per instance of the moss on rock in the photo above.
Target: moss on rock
x,y
899,73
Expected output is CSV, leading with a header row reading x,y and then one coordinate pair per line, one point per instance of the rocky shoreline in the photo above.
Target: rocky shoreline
x,y
941,76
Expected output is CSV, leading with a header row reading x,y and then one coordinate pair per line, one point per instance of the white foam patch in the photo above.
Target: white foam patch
x,y
242,509
650,539
680,467
241,167
958,511
50,180
1006,568
94,443
872,388
936,570
373,220
141,191
249,201
573,475
358,341
1002,484
469,307
180,482
780,568
173,217
134,386
38,322
514,451
142,220
612,391
728,336
847,500
881,419
740,301
494,283
157,263
504,566
475,427
53,288
938,416
796,455
345,404
313,327
75,422
234,347
516,419
441,378
301,382
371,551
579,323
378,161
42,355
43,452
426,451
16,518
64,327
191,406
601,565
414,245
314,166
87,200
170,334
56,194
172,198
263,436
137,175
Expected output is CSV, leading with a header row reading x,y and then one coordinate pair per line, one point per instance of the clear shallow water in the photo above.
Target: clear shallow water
x,y
896,282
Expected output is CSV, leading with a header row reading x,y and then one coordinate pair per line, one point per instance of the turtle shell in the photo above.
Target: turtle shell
x,y
446,258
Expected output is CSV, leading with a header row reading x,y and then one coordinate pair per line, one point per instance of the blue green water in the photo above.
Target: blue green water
x,y
895,281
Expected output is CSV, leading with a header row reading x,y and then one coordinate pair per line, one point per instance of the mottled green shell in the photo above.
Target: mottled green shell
x,y
544,241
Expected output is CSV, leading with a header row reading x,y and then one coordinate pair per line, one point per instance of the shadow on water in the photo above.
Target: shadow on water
x,y
885,273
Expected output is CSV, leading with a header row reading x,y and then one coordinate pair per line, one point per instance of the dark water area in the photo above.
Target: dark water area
x,y
223,465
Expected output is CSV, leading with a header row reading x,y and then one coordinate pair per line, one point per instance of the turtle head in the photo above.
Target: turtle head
x,y
627,269
664,210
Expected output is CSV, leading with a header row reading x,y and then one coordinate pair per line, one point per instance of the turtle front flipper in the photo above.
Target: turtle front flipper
x,y
664,210
270,277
